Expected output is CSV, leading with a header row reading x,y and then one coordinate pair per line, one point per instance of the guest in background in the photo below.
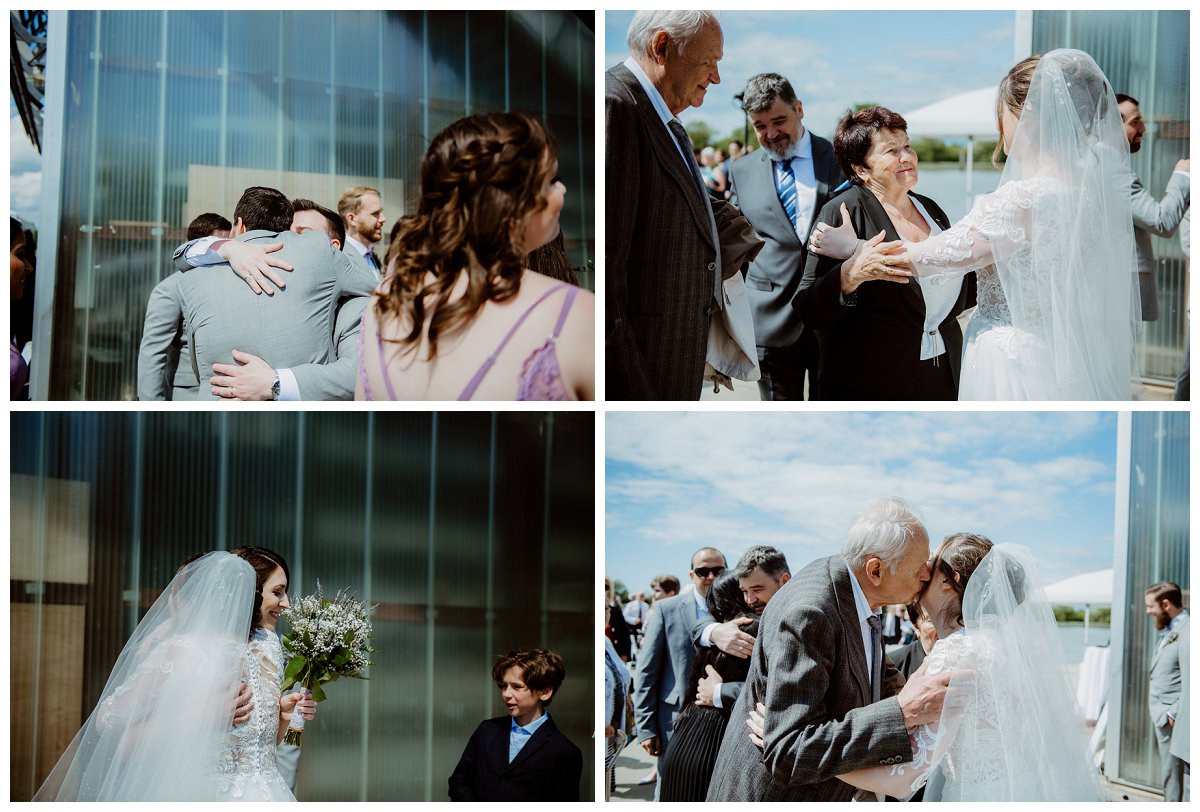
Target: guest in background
x,y
618,711
551,260
614,623
1164,603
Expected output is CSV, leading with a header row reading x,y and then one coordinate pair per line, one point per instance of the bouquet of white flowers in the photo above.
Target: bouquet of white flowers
x,y
328,639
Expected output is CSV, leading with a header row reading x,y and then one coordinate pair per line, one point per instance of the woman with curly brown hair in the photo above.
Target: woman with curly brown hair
x,y
458,315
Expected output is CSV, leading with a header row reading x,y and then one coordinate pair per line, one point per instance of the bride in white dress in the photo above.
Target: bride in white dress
x,y
162,730
1052,246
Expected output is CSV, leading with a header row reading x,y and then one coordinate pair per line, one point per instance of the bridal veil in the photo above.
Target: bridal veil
x,y
163,720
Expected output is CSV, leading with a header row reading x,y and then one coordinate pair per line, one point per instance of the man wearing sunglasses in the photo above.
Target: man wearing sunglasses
x,y
665,658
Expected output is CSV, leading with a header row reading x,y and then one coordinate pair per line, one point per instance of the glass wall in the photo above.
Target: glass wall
x,y
472,532
171,114
1151,545
1145,54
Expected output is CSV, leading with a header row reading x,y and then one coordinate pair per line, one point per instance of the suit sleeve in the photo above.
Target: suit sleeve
x,y
818,300
462,780
651,660
335,380
158,356
568,774
625,371
352,278
802,745
1161,217
730,691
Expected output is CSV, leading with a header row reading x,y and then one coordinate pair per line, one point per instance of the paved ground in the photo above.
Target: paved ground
x,y
749,391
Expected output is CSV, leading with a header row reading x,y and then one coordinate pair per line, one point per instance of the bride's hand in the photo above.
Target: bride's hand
x,y
876,261
296,701
838,243
243,705
756,722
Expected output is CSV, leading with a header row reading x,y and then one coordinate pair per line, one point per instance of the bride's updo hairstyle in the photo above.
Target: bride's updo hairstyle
x,y
957,557
481,181
264,562
1014,89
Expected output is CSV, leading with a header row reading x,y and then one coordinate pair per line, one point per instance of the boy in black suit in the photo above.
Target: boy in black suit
x,y
522,756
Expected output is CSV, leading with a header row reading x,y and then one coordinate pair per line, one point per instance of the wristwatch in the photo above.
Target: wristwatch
x,y
275,388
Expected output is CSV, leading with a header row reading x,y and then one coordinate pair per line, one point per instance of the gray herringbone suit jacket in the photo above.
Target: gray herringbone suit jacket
x,y
660,259
293,327
810,670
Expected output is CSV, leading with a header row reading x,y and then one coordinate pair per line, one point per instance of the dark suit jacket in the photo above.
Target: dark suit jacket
x,y
874,345
810,669
774,276
908,658
548,767
660,260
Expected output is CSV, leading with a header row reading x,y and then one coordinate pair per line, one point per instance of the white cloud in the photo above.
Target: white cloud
x,y
25,193
22,156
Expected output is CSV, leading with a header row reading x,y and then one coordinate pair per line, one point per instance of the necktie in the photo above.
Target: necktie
x,y
876,656
685,144
372,258
787,190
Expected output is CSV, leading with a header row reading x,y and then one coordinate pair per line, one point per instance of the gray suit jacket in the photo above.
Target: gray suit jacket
x,y
1159,217
292,328
660,257
1183,727
1164,674
774,276
164,342
810,670
664,661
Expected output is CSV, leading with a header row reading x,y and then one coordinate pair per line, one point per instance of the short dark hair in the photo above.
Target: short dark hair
x,y
733,141
264,209
206,224
1122,98
852,141
1166,590
762,91
692,560
541,670
336,229
668,583
762,557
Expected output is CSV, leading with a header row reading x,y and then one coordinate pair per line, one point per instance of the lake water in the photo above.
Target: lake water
x,y
948,187
1072,640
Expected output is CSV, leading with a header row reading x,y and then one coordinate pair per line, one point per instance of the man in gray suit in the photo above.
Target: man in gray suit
x,y
761,571
361,209
160,375
779,189
663,274
293,327
665,657
1181,731
1152,216
834,703
1164,602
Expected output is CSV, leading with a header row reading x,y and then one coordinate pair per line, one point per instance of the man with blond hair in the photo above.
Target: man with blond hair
x,y
361,208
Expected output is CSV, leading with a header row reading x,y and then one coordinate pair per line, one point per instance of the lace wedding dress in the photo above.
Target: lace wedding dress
x,y
161,731
247,770
1053,250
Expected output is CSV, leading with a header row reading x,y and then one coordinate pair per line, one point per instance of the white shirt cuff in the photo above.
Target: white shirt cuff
x,y
199,253
288,388
717,697
706,635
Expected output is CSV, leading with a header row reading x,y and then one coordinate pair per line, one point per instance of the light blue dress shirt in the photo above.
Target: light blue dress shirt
x,y
519,736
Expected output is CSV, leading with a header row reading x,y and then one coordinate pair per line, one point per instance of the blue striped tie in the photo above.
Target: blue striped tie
x,y
787,190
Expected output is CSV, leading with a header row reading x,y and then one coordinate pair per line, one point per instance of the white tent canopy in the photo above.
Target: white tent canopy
x,y
1088,589
967,115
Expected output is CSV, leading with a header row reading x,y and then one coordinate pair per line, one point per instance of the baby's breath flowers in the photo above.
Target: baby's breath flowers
x,y
329,638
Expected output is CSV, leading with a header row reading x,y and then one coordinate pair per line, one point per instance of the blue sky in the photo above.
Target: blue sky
x,y
679,481
902,60
25,170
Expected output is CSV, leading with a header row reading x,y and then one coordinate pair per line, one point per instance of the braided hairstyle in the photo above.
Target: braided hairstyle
x,y
481,181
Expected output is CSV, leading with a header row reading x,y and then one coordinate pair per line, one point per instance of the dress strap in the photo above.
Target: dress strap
x,y
473,384
562,316
387,381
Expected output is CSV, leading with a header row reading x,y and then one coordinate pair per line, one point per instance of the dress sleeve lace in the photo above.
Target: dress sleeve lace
x,y
995,228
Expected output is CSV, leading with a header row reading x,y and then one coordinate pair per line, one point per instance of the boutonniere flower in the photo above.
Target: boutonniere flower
x,y
1171,638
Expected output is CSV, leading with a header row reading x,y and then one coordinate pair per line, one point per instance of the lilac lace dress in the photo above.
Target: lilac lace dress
x,y
540,377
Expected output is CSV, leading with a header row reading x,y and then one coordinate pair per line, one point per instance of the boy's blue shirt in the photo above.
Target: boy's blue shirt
x,y
518,736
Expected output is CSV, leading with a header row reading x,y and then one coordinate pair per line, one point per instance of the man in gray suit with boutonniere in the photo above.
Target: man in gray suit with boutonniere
x,y
1164,603
292,330
833,702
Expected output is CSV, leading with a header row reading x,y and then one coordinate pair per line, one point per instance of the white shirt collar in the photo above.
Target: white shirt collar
x,y
656,99
860,597
362,249
701,601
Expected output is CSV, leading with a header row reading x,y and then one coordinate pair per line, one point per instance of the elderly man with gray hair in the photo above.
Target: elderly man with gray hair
x,y
663,276
833,702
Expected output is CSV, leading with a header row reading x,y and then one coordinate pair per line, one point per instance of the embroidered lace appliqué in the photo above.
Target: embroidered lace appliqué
x,y
250,756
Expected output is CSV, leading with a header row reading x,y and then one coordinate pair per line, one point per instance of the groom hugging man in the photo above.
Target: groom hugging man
x,y
834,702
